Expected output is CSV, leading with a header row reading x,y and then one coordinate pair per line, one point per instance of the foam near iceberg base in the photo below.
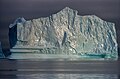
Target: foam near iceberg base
x,y
64,34
54,56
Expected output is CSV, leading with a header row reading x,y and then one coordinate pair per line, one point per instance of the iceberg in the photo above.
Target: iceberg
x,y
63,35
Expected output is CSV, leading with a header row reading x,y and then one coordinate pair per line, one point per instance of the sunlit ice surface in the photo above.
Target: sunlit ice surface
x,y
61,34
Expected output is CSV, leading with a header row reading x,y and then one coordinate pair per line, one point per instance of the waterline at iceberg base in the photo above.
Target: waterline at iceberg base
x,y
51,53
63,35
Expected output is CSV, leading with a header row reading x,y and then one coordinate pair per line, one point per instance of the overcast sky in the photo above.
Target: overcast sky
x,y
108,10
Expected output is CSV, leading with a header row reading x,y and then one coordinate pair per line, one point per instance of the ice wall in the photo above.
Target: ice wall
x,y
65,32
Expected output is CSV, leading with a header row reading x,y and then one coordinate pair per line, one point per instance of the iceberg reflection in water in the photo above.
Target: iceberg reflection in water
x,y
59,69
68,76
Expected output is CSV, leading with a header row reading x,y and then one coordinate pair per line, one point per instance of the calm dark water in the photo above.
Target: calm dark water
x,y
59,69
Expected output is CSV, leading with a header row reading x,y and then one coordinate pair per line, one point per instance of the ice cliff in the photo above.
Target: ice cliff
x,y
65,32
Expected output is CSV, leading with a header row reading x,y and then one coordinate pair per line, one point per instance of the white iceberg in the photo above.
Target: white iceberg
x,y
64,33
